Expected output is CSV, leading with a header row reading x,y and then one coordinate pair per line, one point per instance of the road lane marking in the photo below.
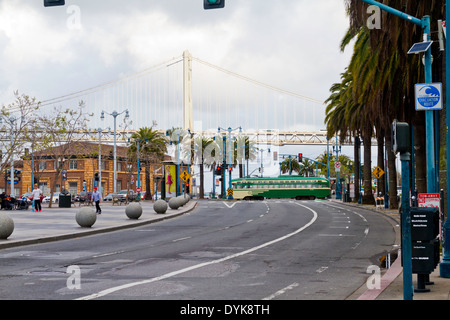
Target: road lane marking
x,y
181,239
321,269
197,266
232,205
282,291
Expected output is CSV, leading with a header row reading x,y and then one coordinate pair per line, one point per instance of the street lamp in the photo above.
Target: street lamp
x,y
100,130
115,114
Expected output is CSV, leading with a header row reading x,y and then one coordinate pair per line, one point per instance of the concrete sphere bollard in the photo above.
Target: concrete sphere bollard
x,y
174,203
86,217
160,206
180,200
133,210
6,226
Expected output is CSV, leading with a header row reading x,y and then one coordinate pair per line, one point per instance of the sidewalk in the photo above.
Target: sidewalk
x,y
52,224
392,279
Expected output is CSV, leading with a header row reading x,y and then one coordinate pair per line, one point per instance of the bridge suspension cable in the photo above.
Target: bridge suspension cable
x,y
259,83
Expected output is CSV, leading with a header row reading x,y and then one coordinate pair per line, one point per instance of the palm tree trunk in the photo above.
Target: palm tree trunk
x,y
202,182
380,161
148,189
420,157
356,148
367,140
392,171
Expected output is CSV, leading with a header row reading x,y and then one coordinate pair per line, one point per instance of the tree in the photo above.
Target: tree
x,y
152,148
289,165
17,121
59,137
201,144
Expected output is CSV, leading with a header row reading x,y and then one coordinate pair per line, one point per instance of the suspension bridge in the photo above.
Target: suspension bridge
x,y
189,93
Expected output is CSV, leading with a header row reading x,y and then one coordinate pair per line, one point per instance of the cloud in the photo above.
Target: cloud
x,y
291,45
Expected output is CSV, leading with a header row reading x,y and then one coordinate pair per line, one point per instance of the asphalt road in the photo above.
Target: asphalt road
x,y
221,251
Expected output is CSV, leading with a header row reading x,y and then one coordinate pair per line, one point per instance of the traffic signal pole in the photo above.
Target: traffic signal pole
x,y
445,264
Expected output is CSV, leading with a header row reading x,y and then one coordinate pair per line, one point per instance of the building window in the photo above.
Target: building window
x,y
42,165
103,165
73,165
119,166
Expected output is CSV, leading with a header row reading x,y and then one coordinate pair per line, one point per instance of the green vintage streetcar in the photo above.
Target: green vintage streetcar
x,y
283,187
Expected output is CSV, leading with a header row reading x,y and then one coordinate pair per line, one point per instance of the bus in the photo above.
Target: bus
x,y
282,187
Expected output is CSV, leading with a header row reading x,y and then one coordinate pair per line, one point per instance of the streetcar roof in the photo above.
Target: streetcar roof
x,y
280,178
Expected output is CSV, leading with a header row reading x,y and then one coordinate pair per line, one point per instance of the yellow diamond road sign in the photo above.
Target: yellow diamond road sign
x,y
378,172
185,176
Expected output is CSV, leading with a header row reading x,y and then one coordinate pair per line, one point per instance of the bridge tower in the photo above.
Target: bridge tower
x,y
187,91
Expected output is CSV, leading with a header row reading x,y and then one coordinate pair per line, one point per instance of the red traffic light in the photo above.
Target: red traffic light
x,y
300,157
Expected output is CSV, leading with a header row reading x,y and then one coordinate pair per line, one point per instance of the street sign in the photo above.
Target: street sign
x,y
378,172
185,176
337,166
429,97
230,192
428,200
138,189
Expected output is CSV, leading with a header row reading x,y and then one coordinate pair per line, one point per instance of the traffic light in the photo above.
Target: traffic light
x,y
218,171
300,157
401,141
52,3
213,4
96,177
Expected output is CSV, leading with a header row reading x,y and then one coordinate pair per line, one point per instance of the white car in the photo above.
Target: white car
x,y
54,200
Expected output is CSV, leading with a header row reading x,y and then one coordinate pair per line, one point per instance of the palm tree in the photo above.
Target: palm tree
x,y
201,144
384,75
289,165
152,148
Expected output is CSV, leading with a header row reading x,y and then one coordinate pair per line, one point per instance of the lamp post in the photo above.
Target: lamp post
x,y
230,153
115,114
100,130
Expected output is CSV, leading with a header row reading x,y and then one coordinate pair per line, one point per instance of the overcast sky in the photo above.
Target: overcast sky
x,y
49,52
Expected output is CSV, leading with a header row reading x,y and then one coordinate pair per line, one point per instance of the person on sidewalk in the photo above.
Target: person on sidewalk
x,y
37,193
96,198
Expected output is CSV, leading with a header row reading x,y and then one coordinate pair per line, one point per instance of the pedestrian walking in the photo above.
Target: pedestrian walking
x,y
96,198
37,194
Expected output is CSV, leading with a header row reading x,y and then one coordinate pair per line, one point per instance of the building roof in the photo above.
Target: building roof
x,y
81,149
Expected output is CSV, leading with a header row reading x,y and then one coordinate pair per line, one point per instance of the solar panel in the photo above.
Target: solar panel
x,y
420,47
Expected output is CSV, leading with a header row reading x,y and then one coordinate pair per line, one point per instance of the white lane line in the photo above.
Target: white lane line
x,y
197,266
181,239
282,291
